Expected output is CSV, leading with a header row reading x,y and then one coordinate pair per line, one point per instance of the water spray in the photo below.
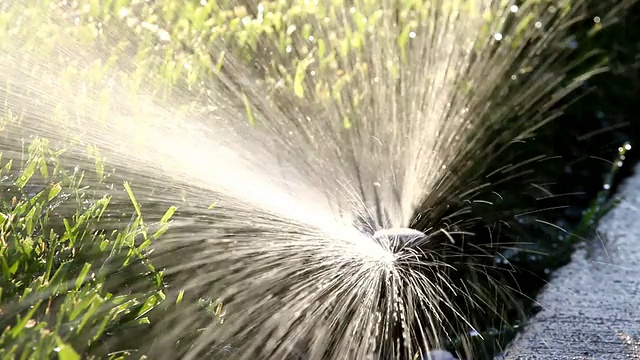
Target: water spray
x,y
348,202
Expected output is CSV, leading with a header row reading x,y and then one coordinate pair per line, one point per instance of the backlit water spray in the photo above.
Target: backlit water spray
x,y
330,218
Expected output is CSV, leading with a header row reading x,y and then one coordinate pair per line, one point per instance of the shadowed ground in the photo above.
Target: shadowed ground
x,y
591,307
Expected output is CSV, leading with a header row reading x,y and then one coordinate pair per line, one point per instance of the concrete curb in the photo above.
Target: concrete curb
x,y
591,307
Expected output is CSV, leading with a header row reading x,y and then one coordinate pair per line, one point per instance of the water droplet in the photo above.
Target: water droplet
x,y
288,49
497,36
514,8
596,19
412,35
538,24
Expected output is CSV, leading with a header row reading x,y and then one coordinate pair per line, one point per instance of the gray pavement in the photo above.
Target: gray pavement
x,y
591,307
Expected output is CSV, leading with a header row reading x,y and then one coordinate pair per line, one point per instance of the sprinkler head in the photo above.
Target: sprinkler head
x,y
399,236
439,355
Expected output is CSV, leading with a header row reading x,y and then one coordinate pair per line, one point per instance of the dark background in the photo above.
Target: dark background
x,y
586,139
578,148
604,117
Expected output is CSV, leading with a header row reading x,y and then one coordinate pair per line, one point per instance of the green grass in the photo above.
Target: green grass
x,y
178,46
55,260
58,296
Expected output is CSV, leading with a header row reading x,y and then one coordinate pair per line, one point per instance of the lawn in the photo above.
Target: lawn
x,y
59,248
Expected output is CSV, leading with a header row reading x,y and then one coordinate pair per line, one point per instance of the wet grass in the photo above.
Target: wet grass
x,y
56,257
